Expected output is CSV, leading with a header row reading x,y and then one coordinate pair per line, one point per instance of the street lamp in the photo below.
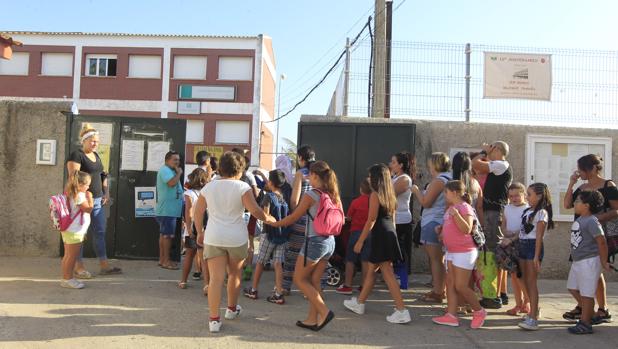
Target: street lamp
x,y
281,78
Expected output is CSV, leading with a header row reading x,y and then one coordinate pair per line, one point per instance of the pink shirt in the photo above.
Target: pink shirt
x,y
454,239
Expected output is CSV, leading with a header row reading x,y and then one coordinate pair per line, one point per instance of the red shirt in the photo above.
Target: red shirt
x,y
358,212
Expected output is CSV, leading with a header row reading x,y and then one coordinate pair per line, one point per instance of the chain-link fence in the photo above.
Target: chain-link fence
x,y
428,82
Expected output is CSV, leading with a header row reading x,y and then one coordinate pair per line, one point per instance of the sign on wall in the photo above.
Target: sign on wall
x,y
517,75
553,159
209,92
145,201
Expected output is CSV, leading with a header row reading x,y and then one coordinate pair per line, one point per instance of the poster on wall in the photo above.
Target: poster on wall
x,y
132,155
215,151
145,201
517,75
156,155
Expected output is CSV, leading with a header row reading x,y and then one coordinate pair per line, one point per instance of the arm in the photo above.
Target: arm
x,y
189,216
87,205
610,214
305,204
540,232
198,218
296,189
172,182
401,185
464,224
602,243
374,206
248,200
480,165
73,167
433,191
568,197
105,192
479,204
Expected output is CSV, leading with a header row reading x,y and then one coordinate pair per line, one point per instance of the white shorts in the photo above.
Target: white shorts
x,y
584,276
463,260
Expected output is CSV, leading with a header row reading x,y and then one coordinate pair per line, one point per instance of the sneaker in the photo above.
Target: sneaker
x,y
399,317
602,316
343,289
446,320
491,303
580,328
276,298
478,319
573,315
233,314
529,324
504,298
354,305
214,325
71,283
250,292
197,275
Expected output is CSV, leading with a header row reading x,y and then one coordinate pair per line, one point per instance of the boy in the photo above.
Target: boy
x,y
589,254
357,213
273,241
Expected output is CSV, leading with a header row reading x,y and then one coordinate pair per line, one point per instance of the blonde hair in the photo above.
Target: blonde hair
x,y
502,147
440,162
519,187
86,128
76,179
380,179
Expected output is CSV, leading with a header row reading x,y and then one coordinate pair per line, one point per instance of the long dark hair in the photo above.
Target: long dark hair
x,y
328,178
542,190
462,170
379,177
590,162
307,154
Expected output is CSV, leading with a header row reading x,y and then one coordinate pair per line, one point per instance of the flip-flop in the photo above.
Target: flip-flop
x,y
170,267
328,318
84,274
182,285
304,325
110,271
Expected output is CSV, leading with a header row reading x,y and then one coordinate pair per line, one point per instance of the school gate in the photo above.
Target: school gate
x,y
132,151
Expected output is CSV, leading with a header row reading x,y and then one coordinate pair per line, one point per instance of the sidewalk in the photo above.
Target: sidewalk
x,y
144,308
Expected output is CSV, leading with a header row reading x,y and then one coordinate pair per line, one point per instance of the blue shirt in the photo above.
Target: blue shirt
x,y
169,199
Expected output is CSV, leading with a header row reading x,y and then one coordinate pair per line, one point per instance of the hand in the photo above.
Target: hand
x,y
486,147
453,211
537,265
178,171
105,199
200,239
505,242
606,267
88,195
415,189
574,177
358,246
438,229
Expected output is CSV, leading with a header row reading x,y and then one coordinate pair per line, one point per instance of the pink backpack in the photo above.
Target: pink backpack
x,y
60,212
329,219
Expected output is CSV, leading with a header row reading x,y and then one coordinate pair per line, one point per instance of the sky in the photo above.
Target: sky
x,y
309,35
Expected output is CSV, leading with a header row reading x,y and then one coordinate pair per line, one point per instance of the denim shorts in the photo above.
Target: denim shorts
x,y
351,256
428,234
318,248
527,248
167,226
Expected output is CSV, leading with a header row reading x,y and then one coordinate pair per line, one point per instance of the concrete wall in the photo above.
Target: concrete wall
x,y
434,136
26,187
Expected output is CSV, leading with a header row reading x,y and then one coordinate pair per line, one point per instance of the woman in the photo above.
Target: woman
x,y
402,183
589,169
434,204
317,249
301,185
87,160
225,238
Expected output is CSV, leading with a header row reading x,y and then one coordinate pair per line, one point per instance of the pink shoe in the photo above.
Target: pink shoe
x,y
446,320
478,319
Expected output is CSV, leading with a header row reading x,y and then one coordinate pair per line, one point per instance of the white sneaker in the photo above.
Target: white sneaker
x,y
354,305
231,315
214,325
71,283
399,317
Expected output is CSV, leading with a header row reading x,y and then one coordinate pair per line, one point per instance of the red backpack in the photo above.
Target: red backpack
x,y
330,217
60,212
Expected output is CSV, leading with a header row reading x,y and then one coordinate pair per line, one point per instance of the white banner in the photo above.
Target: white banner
x,y
517,75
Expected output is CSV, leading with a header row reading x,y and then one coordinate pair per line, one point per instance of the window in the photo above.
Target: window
x,y
190,67
57,64
195,131
236,68
17,65
101,65
147,67
232,132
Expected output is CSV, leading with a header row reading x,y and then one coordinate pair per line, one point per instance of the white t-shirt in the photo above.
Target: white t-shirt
x,y
498,167
190,195
226,226
79,225
512,217
251,178
403,214
540,216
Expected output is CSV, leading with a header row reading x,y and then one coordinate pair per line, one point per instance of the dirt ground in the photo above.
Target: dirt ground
x,y
144,308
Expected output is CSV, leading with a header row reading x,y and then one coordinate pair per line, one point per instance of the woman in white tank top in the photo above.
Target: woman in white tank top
x,y
402,183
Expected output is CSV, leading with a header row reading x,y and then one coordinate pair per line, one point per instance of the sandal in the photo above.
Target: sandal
x,y
573,315
432,297
84,274
182,285
170,267
514,311
205,291
110,271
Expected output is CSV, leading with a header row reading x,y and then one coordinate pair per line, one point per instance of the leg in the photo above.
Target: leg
x,y
302,276
364,271
587,309
517,291
187,264
278,277
530,279
233,280
393,286
97,230
452,301
368,283
259,268
437,267
217,267
71,251
161,253
461,278
167,245
197,262
349,273
601,293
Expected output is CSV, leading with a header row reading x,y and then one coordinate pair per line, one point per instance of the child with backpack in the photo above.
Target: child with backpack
x,y
357,214
79,202
273,240
536,220
589,254
385,250
457,231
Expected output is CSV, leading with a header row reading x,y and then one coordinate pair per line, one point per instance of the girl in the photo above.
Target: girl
x,y
80,200
384,245
402,183
197,180
534,222
433,203
511,226
461,255
317,249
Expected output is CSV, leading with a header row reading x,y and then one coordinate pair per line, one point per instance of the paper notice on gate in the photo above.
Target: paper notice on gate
x,y
156,155
132,157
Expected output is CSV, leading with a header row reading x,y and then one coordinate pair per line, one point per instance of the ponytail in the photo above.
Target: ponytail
x,y
459,188
76,179
466,198
328,178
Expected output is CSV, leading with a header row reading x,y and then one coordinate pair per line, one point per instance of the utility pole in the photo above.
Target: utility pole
x,y
346,77
379,54
387,75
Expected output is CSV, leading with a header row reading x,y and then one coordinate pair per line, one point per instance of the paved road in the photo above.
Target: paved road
x,y
143,308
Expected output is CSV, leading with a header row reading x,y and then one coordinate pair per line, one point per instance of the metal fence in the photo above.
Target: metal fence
x,y
428,82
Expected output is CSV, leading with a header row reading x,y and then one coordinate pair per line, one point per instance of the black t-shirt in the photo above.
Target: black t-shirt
x,y
95,169
609,194
496,190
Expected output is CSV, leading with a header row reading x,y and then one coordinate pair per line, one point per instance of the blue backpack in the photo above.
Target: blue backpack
x,y
278,209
